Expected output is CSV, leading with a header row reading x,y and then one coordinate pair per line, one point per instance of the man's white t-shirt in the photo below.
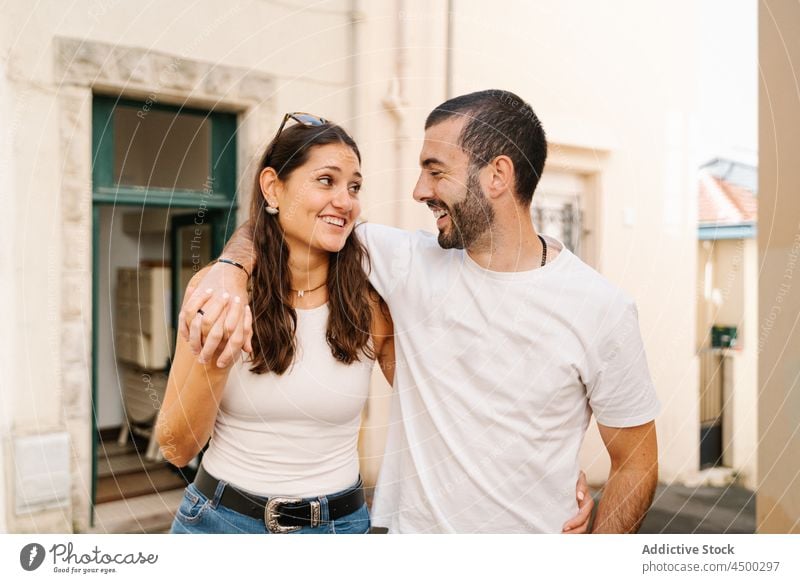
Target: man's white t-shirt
x,y
497,376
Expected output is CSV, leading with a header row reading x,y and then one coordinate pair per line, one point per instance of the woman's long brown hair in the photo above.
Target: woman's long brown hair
x,y
274,317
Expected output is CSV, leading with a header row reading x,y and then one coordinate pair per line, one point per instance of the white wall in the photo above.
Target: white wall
x,y
401,77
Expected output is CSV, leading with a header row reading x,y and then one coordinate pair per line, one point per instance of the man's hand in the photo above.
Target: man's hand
x,y
225,326
579,524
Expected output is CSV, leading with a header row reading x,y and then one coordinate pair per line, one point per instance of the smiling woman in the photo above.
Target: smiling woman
x,y
284,422
311,176
329,193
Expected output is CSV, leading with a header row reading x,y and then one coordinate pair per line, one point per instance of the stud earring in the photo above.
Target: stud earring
x,y
271,210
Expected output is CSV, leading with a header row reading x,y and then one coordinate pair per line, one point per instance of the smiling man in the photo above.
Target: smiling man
x,y
506,343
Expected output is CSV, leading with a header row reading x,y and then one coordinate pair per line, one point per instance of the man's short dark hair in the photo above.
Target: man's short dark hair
x,y
499,123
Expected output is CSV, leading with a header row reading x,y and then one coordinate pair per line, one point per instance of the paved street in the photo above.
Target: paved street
x,y
702,510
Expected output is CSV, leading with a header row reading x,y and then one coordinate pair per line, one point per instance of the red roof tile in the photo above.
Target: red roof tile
x,y
724,203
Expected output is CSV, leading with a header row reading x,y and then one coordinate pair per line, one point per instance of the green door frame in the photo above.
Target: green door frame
x,y
216,202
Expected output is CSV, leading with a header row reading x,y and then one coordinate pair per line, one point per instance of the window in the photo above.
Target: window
x,y
562,208
162,155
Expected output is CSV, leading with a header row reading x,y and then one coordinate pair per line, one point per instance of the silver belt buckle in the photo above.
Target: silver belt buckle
x,y
271,515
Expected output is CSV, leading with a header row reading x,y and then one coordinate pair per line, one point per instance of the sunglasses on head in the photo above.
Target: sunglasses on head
x,y
302,118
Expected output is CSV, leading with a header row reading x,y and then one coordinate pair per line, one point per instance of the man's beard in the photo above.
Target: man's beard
x,y
469,218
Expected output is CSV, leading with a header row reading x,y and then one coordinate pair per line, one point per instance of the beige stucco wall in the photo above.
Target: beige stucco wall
x,y
778,495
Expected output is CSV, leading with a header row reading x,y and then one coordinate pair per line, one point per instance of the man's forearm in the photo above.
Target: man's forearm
x,y
240,247
626,497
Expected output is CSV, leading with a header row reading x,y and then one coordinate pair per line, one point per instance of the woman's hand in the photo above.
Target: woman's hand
x,y
231,330
225,327
579,524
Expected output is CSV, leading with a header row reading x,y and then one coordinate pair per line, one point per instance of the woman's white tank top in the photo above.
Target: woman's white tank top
x,y
294,434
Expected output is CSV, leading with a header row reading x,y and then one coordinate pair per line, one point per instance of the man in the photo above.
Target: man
x,y
506,343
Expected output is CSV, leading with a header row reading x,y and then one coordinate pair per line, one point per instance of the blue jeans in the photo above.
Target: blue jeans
x,y
199,515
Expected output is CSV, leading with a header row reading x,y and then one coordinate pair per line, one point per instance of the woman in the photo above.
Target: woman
x,y
284,421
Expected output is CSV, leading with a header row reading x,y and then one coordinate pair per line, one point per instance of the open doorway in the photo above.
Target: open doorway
x,y
136,340
164,204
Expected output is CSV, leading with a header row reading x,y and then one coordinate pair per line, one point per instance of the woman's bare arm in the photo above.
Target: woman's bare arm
x,y
383,338
194,392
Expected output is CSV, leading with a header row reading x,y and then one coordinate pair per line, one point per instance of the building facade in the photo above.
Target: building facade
x,y
618,187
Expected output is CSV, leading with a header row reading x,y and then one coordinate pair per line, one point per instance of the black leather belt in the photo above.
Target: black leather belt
x,y
281,514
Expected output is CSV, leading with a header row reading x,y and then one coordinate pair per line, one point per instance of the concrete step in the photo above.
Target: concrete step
x,y
125,463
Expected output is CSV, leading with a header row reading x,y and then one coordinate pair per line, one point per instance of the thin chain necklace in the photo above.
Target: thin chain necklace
x,y
301,292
